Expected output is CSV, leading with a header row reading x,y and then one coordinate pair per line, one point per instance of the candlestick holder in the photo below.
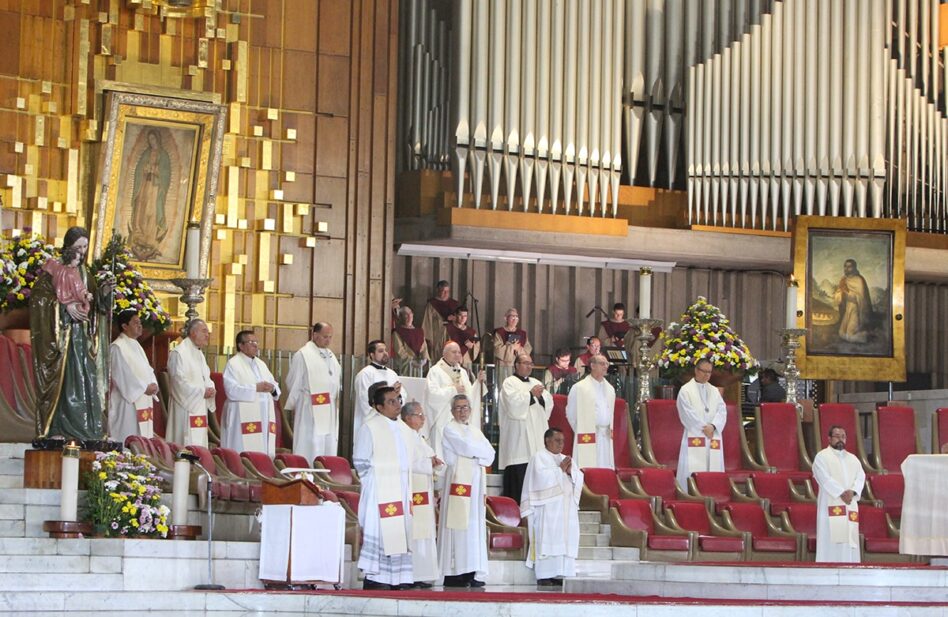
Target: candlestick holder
x,y
644,363
791,342
193,294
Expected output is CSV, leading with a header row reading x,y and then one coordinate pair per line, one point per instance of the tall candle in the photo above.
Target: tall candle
x,y
179,496
645,293
192,251
793,291
69,488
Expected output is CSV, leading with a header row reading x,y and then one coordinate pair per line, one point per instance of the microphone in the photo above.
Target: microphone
x,y
185,455
593,310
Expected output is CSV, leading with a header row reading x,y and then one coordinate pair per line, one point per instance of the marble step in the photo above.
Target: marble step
x,y
594,528
594,539
13,450
595,552
590,517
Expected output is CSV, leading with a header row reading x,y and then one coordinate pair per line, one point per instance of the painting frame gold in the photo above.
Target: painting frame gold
x,y
197,127
828,365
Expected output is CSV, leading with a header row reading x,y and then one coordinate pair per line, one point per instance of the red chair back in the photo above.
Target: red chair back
x,y
505,510
8,377
636,514
558,420
896,436
803,517
339,470
140,445
292,460
232,460
204,455
658,482
941,427
160,418
220,397
731,437
350,497
602,481
772,486
262,463
838,414
779,431
664,431
889,488
748,517
872,522
690,515
162,451
278,417
713,484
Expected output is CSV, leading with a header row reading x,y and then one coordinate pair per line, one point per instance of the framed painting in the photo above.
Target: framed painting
x,y
851,274
159,172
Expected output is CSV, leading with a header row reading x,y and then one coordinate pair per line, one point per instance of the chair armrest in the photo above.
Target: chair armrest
x,y
661,527
894,530
623,535
255,473
806,496
590,501
774,530
681,495
632,489
785,522
728,529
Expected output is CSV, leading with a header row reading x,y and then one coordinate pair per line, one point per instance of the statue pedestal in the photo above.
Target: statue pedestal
x,y
43,468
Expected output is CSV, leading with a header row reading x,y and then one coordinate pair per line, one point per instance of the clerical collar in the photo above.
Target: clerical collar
x,y
523,379
378,366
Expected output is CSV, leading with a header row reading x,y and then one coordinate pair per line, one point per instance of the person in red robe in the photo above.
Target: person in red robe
x,y
560,375
439,313
409,348
465,336
615,328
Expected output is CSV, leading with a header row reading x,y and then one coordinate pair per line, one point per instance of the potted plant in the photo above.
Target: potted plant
x,y
123,496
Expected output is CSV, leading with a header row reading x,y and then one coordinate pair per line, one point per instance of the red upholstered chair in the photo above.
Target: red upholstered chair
x,y
7,377
602,488
349,501
719,487
738,461
163,453
777,489
261,467
715,543
288,459
879,537
341,475
780,440
894,437
661,433
768,542
634,523
139,445
507,536
220,397
660,483
558,420
801,518
887,489
221,487
844,415
230,461
939,429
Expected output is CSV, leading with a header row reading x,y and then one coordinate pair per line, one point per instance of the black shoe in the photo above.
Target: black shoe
x,y
404,586
476,583
557,582
545,582
421,585
376,586
459,580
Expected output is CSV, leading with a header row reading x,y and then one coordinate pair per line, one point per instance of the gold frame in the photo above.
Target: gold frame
x,y
171,112
849,367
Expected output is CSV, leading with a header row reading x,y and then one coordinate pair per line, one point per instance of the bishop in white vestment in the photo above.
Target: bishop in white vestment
x,y
192,391
374,372
134,387
550,503
446,379
524,415
383,457
703,414
424,556
841,478
249,416
590,411
462,527
313,385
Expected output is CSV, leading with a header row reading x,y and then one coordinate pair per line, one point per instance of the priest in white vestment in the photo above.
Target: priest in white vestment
x,y
134,387
703,414
462,526
249,415
374,372
192,397
550,503
424,556
383,457
312,385
446,379
841,478
590,411
523,417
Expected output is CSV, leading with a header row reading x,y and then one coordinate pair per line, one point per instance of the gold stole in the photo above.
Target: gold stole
x,y
585,425
320,397
256,437
144,404
704,454
388,486
843,519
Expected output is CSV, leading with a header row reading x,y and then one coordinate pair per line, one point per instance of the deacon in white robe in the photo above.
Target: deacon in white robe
x,y
550,503
703,414
192,391
841,478
134,387
383,457
424,554
249,415
446,379
374,372
590,411
313,384
524,415
462,527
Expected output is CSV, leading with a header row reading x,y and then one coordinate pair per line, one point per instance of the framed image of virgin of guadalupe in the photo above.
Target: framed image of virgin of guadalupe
x,y
159,172
852,284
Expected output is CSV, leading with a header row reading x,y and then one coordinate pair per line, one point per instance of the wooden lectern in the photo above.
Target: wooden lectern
x,y
293,493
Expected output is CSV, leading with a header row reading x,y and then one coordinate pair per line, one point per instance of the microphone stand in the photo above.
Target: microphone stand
x,y
209,586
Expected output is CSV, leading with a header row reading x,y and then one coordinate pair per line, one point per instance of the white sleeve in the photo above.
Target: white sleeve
x,y
235,390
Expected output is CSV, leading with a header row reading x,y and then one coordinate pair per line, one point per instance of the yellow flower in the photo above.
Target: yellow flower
x,y
134,522
102,475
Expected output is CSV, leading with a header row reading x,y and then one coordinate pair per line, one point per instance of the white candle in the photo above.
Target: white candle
x,y
645,293
179,497
69,487
792,293
192,252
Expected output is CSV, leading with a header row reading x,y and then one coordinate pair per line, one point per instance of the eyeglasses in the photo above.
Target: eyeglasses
x,y
705,371
397,401
254,343
461,407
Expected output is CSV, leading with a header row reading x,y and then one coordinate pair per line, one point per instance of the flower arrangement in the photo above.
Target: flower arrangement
x,y
20,264
703,332
131,290
124,496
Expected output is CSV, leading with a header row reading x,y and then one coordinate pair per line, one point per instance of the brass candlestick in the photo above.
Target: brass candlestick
x,y
193,294
791,341
644,363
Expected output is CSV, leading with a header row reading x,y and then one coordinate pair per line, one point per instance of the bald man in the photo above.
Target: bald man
x,y
446,379
313,384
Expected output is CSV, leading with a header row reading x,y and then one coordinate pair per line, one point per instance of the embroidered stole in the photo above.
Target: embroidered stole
x,y
144,405
256,437
388,485
459,495
586,400
319,382
704,454
193,363
843,519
